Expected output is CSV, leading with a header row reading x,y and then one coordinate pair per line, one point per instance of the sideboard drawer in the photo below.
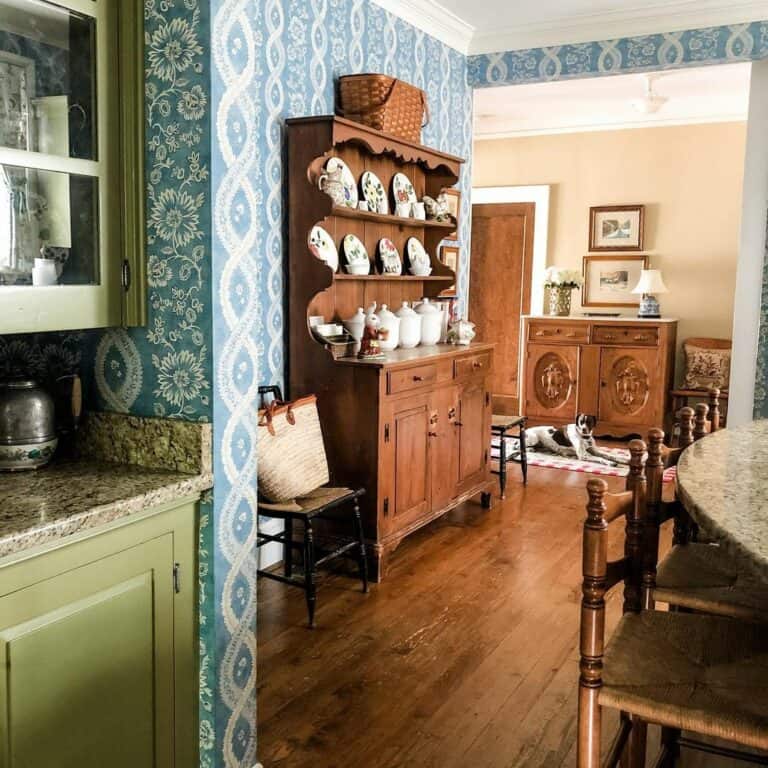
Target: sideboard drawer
x,y
472,365
614,334
411,378
565,332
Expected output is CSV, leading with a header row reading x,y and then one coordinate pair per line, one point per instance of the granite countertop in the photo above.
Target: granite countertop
x,y
723,482
124,465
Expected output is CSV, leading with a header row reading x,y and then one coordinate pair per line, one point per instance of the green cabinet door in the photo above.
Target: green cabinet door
x,y
88,664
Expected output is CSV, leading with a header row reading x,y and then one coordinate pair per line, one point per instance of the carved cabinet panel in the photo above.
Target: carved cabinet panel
x,y
627,379
551,380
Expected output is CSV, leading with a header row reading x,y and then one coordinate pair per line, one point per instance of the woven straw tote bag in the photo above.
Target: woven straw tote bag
x,y
290,450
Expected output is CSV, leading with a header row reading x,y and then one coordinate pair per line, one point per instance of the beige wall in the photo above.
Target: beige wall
x,y
688,177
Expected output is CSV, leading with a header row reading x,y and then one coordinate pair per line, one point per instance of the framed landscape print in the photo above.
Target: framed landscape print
x,y
616,227
609,280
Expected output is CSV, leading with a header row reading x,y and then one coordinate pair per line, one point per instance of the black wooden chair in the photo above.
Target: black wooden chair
x,y
324,503
500,427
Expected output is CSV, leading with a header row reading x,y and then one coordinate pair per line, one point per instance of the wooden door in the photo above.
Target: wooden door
x,y
474,433
500,290
410,461
551,381
627,379
444,446
87,664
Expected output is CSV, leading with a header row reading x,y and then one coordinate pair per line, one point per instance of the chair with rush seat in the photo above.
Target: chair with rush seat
x,y
335,505
683,671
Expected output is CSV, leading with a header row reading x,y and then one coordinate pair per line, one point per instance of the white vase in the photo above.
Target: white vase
x,y
410,327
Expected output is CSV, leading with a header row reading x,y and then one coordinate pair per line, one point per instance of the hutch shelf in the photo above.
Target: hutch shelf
x,y
412,429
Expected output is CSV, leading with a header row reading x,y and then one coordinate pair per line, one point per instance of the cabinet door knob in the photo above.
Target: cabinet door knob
x,y
476,364
432,434
457,424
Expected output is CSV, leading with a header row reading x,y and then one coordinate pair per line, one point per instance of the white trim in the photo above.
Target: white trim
x,y
752,248
730,118
539,195
433,19
270,553
651,18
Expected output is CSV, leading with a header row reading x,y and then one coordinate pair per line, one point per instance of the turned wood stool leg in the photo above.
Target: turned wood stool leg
x,y
362,557
309,571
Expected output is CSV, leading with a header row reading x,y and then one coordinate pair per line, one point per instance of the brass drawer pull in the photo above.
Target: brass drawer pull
x,y
418,378
609,337
641,337
477,364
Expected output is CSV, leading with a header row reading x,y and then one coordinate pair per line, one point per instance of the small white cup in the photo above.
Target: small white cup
x,y
44,272
418,211
403,210
362,205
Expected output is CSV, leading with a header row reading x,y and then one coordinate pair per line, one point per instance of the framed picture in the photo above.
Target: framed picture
x,y
616,227
609,280
454,206
450,256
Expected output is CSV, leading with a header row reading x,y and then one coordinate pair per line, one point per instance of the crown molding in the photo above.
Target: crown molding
x,y
433,19
652,18
725,117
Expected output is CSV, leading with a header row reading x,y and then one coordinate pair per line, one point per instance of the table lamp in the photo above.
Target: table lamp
x,y
650,283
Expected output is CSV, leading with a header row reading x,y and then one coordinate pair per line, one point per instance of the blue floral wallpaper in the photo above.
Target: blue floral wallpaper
x,y
739,42
274,59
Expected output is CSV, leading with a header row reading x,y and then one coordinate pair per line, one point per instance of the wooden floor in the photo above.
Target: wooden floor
x,y
465,656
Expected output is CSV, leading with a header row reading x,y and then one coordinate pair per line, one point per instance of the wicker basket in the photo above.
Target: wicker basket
x,y
384,103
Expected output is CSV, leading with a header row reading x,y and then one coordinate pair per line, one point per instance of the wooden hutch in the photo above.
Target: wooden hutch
x,y
413,429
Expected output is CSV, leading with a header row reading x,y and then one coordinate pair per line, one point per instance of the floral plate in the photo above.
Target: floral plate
x,y
374,193
321,244
403,189
347,179
356,254
417,256
390,257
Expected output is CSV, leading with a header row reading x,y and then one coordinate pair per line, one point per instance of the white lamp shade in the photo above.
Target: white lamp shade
x,y
650,282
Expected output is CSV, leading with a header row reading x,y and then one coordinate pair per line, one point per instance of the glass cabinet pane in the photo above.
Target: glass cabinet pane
x,y
48,220
47,79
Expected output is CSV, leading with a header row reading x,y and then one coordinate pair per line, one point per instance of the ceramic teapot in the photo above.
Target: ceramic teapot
x,y
330,182
410,327
356,324
431,322
461,332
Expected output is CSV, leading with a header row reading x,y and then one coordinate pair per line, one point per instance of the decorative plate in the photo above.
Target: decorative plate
x,y
417,255
355,251
390,257
403,189
374,193
347,179
321,244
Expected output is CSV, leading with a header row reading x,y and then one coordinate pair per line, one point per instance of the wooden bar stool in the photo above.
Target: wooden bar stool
x,y
698,673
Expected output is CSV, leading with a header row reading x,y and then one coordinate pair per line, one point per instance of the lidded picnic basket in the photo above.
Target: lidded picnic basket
x,y
384,103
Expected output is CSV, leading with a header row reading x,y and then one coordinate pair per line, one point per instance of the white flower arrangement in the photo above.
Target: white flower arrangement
x,y
555,277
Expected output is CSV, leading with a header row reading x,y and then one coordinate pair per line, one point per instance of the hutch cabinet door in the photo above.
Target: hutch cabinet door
x,y
626,380
87,664
475,433
444,446
410,462
551,381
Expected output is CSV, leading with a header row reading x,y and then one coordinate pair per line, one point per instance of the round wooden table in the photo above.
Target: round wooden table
x,y
723,482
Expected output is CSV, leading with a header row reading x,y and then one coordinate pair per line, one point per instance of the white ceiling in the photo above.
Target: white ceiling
x,y
697,95
486,26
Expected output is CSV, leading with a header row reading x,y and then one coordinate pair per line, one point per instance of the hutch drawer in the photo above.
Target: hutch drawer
x,y
472,365
614,334
411,378
564,333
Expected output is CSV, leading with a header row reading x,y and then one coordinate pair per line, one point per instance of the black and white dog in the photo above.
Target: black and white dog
x,y
573,441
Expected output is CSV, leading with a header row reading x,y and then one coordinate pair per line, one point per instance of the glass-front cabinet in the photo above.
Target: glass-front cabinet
x,y
71,181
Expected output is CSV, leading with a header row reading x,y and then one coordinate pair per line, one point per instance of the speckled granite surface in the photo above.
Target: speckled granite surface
x,y
182,446
139,463
723,482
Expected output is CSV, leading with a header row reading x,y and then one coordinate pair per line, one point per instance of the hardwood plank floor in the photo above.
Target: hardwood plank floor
x,y
466,655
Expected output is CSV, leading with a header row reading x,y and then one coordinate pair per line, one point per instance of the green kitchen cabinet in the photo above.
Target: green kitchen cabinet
x,y
98,648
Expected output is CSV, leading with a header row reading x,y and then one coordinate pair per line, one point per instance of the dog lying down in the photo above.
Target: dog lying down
x,y
573,441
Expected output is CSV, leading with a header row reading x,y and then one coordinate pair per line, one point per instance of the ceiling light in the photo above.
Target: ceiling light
x,y
651,102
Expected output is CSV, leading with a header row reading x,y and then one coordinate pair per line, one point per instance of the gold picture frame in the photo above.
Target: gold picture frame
x,y
609,280
616,228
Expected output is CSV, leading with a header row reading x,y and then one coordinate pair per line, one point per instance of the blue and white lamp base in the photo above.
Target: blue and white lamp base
x,y
649,307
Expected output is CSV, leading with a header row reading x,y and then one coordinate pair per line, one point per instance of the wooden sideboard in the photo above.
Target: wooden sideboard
x,y
412,429
620,370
